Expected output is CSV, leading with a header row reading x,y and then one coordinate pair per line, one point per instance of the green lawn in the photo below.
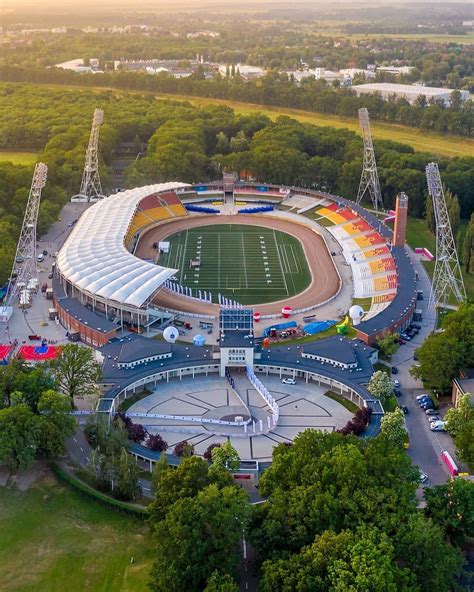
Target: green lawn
x,y
25,158
349,405
54,540
419,235
245,263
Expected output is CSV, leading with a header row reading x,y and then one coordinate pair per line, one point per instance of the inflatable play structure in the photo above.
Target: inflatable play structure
x,y
342,327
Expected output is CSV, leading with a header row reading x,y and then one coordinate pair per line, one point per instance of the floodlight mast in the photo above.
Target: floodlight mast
x,y
24,264
369,180
447,278
91,188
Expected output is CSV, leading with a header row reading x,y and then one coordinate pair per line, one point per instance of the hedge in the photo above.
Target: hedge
x,y
88,491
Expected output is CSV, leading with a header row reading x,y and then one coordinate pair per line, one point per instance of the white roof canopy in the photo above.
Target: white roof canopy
x,y
94,257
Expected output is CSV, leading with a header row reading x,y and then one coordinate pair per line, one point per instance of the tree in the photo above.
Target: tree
x,y
338,562
468,251
219,582
186,480
57,423
225,457
136,432
451,506
393,427
125,480
198,536
156,442
19,436
465,444
388,344
76,371
381,386
458,416
454,211
184,448
442,355
208,452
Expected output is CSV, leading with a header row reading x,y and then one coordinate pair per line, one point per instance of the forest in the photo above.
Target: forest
x,y
274,89
178,141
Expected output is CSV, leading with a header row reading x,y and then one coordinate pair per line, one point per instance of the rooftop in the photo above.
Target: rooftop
x,y
133,348
94,257
407,89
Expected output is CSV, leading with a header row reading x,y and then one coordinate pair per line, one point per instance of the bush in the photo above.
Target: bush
x,y
122,417
358,423
184,448
156,442
208,454
136,432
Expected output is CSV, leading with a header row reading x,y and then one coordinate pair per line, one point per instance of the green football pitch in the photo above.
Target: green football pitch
x,y
245,263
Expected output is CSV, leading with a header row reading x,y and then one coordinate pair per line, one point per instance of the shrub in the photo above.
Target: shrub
x,y
358,423
136,432
156,442
208,454
184,448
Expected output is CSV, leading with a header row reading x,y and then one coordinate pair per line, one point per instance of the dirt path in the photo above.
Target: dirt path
x,y
324,278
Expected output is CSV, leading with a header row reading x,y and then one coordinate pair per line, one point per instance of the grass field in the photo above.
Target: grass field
x,y
246,263
18,157
53,540
421,141
419,235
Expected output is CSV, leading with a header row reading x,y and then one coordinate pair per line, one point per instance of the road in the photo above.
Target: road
x,y
78,450
425,445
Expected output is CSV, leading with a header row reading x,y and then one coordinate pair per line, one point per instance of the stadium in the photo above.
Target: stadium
x,y
230,268
167,251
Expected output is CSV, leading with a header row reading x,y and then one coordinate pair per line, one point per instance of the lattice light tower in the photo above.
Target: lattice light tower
x,y
369,180
447,277
24,264
91,188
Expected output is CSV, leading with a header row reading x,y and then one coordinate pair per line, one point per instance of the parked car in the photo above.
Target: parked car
x,y
50,276
396,383
397,392
422,396
433,418
438,426
423,477
431,412
428,405
394,370
406,337
401,341
405,409
416,326
291,381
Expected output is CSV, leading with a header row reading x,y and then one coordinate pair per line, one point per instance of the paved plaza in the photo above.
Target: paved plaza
x,y
301,406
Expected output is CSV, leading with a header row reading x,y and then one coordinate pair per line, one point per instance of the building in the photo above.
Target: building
x,y
401,216
196,34
246,72
463,385
354,72
396,70
408,92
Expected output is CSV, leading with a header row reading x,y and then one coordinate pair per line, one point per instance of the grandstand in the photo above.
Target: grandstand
x,y
365,250
94,262
154,208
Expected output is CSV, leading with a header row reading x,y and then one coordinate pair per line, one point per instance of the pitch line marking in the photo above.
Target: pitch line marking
x,y
243,257
279,260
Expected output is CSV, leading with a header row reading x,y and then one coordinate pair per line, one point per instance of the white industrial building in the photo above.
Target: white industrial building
x,y
408,92
245,71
